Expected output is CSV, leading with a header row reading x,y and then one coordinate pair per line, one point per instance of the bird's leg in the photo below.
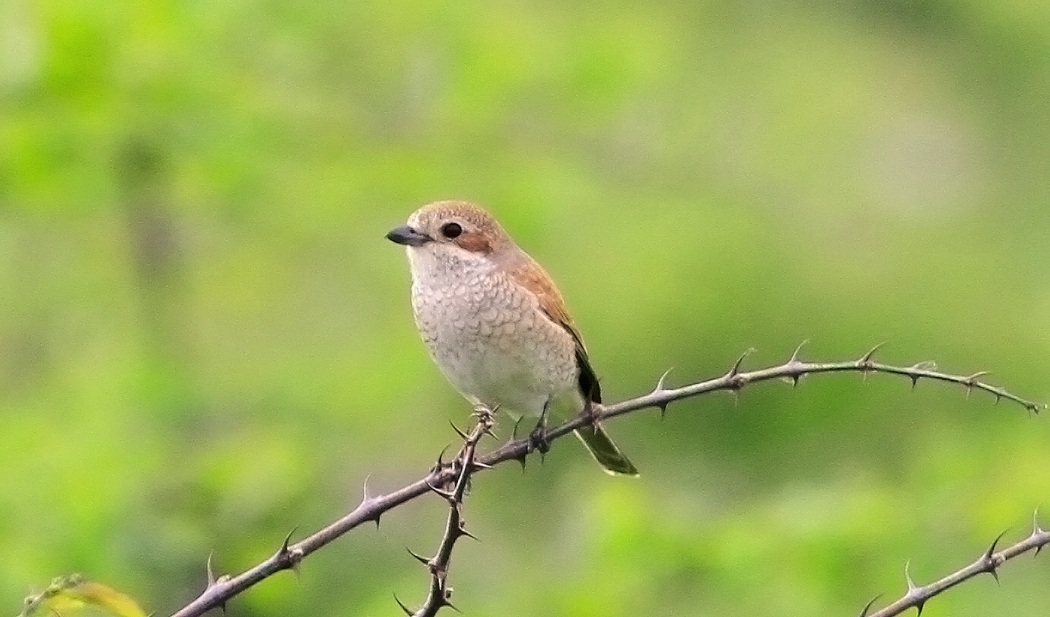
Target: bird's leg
x,y
591,411
538,437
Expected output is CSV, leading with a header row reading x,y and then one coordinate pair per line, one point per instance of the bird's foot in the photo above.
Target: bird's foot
x,y
592,412
538,439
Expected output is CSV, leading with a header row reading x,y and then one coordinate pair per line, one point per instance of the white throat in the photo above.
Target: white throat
x,y
446,266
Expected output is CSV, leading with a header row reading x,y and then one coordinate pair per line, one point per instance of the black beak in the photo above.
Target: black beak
x,y
407,236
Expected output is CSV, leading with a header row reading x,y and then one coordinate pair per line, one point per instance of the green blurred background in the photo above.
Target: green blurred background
x,y
205,340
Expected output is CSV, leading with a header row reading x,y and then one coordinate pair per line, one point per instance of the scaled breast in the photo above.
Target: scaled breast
x,y
489,336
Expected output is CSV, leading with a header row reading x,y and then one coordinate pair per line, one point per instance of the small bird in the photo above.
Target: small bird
x,y
496,325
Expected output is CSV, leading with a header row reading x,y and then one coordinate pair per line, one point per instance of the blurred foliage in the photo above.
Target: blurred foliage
x,y
72,595
205,340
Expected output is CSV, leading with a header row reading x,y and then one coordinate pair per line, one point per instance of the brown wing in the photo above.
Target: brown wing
x,y
530,275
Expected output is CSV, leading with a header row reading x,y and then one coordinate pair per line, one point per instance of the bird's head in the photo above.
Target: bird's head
x,y
453,231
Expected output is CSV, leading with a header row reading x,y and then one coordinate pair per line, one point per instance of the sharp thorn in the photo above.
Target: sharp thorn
x,y
458,431
662,382
999,398
433,489
914,381
733,372
865,360
1036,531
287,539
918,608
441,456
795,379
480,465
284,552
907,578
514,431
663,410
867,607
210,571
447,495
407,610
421,559
366,495
794,355
972,379
988,554
463,532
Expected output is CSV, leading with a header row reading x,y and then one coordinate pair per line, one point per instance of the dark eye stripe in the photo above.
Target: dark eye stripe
x,y
451,230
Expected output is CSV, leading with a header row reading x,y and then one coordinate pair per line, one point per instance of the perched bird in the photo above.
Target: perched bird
x,y
495,323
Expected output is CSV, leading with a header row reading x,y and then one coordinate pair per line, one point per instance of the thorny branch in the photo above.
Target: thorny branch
x,y
372,507
989,562
440,594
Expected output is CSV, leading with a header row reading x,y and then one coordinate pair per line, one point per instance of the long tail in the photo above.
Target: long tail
x,y
602,448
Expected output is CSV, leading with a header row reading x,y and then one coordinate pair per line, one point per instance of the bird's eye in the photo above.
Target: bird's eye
x,y
451,230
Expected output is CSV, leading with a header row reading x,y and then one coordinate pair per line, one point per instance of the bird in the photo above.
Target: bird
x,y
496,325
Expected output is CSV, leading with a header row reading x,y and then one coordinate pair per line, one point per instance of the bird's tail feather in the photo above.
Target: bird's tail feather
x,y
602,448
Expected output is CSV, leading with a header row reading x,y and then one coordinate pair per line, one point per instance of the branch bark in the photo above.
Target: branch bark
x,y
440,594
372,507
988,563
